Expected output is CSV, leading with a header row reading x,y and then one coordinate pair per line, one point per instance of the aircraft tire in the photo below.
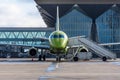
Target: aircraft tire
x,y
58,59
44,58
40,56
75,59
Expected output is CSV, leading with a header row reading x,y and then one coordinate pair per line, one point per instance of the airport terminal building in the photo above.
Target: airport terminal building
x,y
99,22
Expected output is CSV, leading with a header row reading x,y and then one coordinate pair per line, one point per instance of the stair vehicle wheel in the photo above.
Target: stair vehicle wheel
x,y
104,58
75,59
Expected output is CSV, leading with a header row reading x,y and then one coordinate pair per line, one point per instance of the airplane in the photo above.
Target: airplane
x,y
58,42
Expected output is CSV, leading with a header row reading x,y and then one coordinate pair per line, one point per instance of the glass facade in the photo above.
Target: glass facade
x,y
24,36
27,38
101,24
108,27
76,23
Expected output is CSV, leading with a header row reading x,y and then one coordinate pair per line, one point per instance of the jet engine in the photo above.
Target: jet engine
x,y
32,51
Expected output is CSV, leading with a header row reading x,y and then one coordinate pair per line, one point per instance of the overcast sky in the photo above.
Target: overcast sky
x,y
20,13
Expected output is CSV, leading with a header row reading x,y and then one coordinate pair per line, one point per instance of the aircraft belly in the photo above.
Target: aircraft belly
x,y
61,50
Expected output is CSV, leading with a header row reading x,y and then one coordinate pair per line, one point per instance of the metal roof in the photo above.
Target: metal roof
x,y
48,11
25,29
93,8
77,1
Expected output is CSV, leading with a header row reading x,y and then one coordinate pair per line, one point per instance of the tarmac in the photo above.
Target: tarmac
x,y
25,69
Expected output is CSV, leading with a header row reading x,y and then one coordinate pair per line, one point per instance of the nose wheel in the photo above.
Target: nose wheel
x,y
58,58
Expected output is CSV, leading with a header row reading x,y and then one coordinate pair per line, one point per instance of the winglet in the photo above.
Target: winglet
x,y
57,19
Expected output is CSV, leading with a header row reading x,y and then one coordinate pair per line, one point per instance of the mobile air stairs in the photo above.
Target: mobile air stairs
x,y
98,49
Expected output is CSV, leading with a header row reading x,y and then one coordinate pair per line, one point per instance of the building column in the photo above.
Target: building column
x,y
93,35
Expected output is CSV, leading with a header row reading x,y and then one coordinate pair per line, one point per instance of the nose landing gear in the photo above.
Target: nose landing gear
x,y
58,58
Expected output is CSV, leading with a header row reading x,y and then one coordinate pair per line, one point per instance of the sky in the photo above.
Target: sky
x,y
20,13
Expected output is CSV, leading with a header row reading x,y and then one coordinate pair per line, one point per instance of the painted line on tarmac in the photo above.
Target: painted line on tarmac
x,y
116,63
53,66
46,77
22,63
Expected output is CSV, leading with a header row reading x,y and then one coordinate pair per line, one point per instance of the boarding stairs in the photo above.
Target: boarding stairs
x,y
98,49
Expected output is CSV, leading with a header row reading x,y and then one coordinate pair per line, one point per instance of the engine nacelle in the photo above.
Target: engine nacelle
x,y
32,51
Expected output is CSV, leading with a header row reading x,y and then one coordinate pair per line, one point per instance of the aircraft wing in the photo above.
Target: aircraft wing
x,y
43,39
107,44
22,45
45,46
42,46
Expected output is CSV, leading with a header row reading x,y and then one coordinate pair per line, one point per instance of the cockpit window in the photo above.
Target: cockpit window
x,y
54,36
57,36
61,36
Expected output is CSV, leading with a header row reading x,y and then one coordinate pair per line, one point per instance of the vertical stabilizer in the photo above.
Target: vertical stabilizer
x,y
57,19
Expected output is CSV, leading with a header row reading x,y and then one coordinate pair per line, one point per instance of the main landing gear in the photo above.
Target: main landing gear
x,y
42,57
